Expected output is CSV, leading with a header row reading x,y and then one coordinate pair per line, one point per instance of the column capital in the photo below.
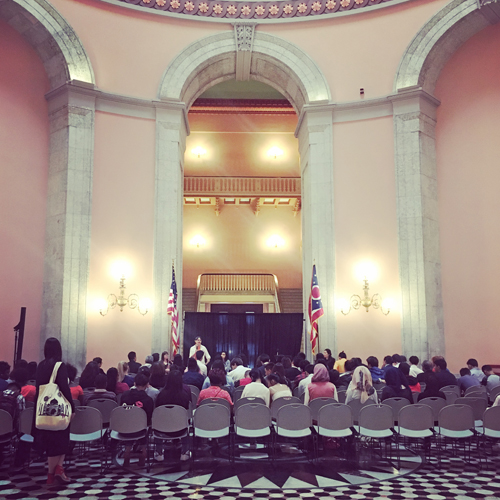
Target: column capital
x,y
72,93
414,100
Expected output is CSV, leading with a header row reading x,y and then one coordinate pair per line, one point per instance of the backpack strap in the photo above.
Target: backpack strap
x,y
54,372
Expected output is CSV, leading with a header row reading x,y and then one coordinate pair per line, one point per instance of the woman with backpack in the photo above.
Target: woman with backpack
x,y
54,442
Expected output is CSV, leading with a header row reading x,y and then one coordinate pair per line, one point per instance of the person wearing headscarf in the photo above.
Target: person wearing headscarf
x,y
361,386
320,386
396,385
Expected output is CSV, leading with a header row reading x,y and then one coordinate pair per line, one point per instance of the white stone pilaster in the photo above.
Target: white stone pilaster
x,y
318,237
171,132
418,224
69,203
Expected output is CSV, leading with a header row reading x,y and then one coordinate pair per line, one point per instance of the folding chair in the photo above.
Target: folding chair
x,y
316,404
437,404
169,423
356,407
456,424
451,388
252,421
105,406
451,397
6,430
341,394
280,402
375,428
478,406
25,439
334,420
493,394
480,388
86,427
237,393
245,401
128,424
194,389
416,422
217,401
294,421
211,421
396,404
491,425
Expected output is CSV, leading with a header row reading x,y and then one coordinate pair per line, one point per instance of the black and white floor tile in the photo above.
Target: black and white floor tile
x,y
216,478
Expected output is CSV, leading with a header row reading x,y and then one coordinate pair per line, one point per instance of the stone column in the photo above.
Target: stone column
x,y
171,131
69,203
418,223
314,132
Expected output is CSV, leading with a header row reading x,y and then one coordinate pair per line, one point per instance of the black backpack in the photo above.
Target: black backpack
x,y
8,401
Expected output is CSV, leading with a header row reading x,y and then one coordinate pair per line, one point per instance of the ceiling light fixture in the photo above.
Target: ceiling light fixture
x,y
275,152
199,151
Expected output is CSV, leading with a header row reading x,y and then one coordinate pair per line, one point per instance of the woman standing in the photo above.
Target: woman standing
x,y
54,443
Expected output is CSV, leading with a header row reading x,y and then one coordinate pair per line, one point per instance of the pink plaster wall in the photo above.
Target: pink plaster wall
x,y
122,229
469,203
130,50
24,132
366,230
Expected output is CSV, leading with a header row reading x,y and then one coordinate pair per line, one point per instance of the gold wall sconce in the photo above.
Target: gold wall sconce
x,y
375,301
132,301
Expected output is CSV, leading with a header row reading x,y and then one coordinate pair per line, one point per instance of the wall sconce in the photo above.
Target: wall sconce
x,y
199,151
197,241
275,152
275,241
121,301
355,302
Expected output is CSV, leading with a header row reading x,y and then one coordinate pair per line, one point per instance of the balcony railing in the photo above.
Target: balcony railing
x,y
238,284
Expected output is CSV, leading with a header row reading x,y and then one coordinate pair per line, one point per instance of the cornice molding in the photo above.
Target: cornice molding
x,y
266,12
409,100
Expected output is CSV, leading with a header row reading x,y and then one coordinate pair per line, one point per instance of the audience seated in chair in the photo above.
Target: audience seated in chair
x,y
376,372
467,380
320,386
396,385
217,378
256,389
277,387
123,376
114,385
432,389
193,376
443,375
100,392
412,381
361,386
75,389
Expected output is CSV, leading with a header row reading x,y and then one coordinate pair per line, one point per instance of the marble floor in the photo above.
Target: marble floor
x,y
212,476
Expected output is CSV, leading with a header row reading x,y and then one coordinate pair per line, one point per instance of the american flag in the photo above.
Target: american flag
x,y
315,309
172,310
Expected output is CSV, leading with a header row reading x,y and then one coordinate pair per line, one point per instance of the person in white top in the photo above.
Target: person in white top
x,y
473,366
198,347
203,368
238,370
414,369
256,389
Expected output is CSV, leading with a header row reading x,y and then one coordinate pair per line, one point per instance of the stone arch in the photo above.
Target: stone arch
x,y
55,41
416,171
212,60
438,40
245,54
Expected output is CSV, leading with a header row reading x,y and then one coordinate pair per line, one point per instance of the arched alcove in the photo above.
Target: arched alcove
x,y
285,67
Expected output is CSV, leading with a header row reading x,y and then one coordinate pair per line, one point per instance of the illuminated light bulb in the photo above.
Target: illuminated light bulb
x,y
145,304
388,304
366,271
275,241
101,304
342,304
199,151
121,269
197,241
275,152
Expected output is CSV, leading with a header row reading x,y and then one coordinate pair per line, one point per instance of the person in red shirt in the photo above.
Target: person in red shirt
x,y
76,390
217,378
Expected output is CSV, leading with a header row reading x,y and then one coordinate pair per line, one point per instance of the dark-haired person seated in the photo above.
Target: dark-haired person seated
x,y
256,389
426,372
490,380
193,375
414,369
151,391
137,397
133,365
473,366
376,372
443,375
431,389
174,394
217,378
396,385
113,382
4,375
87,378
218,364
467,380
278,387
412,381
340,363
100,392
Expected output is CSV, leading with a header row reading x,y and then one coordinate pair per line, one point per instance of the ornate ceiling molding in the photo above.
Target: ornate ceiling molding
x,y
254,10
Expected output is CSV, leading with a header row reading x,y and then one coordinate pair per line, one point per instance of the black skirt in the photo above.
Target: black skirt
x,y
54,443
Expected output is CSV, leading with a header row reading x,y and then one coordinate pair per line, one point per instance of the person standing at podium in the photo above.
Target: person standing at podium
x,y
198,347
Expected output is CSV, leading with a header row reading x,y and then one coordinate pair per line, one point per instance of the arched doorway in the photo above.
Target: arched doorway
x,y
246,54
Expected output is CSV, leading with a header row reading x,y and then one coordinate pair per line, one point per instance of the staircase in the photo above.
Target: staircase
x,y
291,300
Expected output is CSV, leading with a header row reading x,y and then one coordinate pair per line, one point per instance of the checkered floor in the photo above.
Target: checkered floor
x,y
214,477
